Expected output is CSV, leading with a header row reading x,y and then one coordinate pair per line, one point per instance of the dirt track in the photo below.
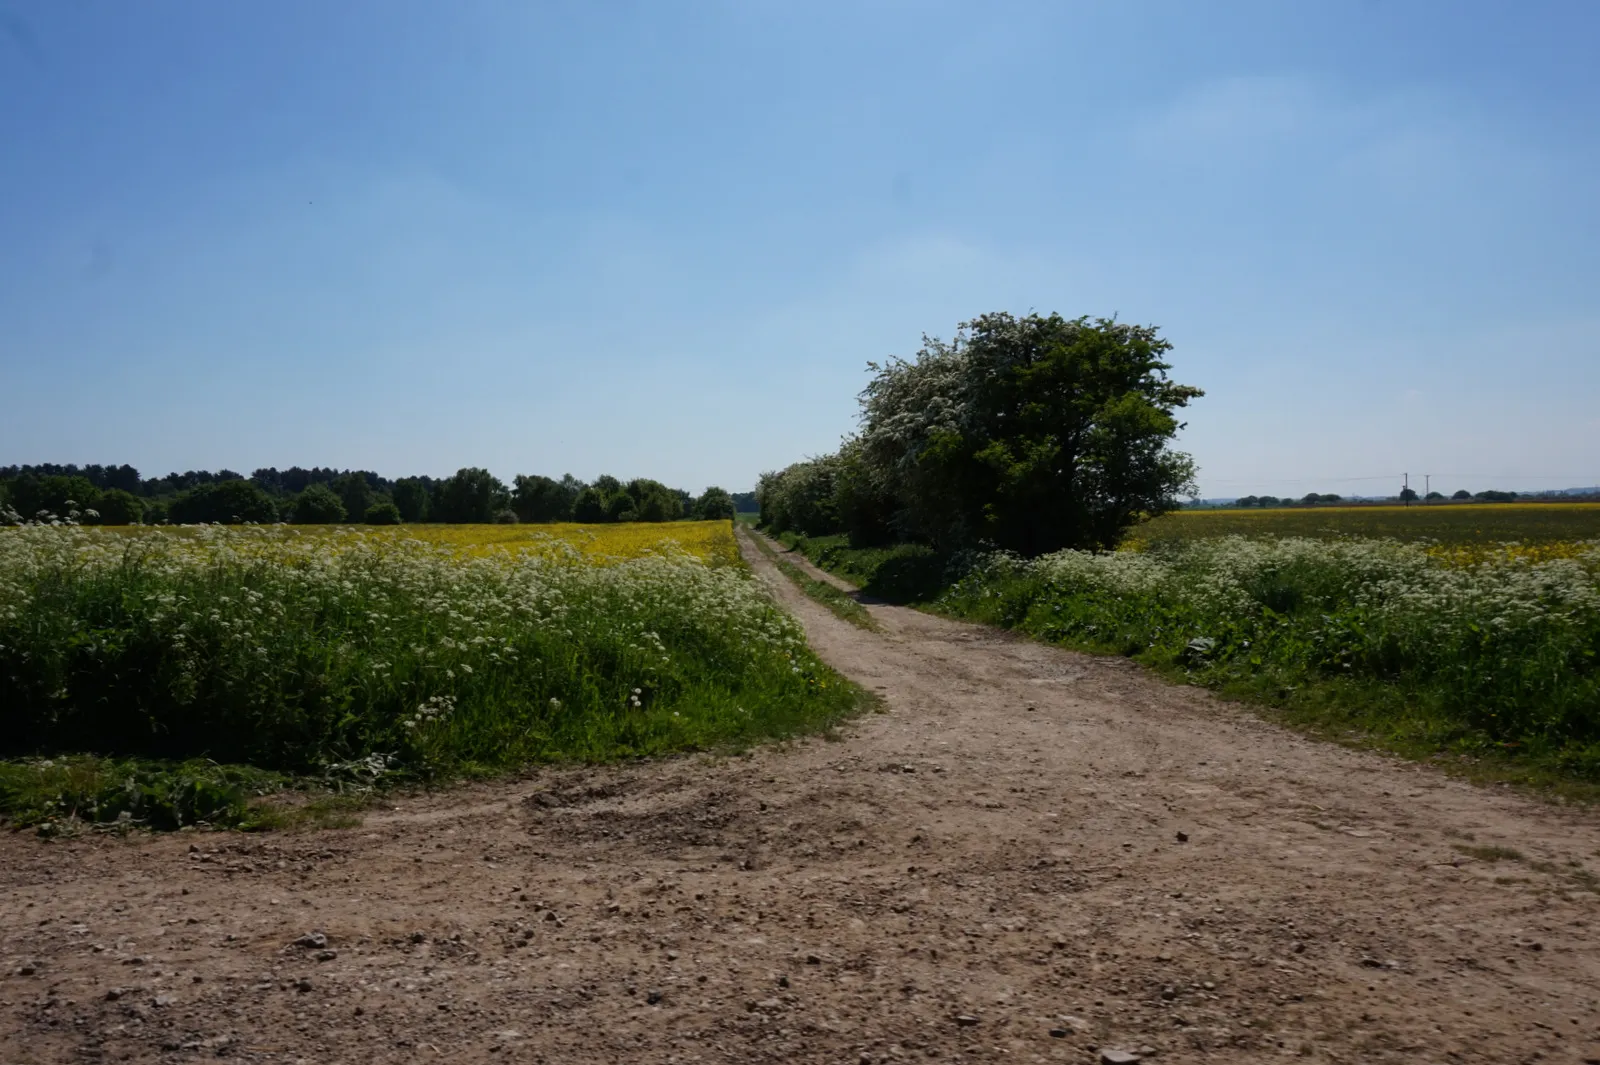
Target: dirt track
x,y
1032,856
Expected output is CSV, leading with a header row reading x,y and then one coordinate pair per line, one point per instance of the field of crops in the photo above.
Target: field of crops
x,y
367,654
1539,529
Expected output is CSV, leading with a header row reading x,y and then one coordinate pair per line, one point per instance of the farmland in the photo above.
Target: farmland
x,y
1467,525
353,656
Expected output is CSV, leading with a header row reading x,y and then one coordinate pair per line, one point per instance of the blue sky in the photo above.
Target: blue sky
x,y
664,239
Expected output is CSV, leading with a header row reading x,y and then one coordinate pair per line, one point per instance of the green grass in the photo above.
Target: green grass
x,y
167,680
1453,524
839,602
899,573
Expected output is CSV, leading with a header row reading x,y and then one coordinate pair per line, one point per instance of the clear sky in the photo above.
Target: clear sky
x,y
663,239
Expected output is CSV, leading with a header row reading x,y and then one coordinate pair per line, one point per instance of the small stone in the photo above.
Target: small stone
x,y
419,937
27,970
327,955
966,1020
1058,1033
1299,948
812,959
114,994
1183,837
315,940
1118,1057
162,1001
672,955
652,997
303,984
783,981
1168,994
133,961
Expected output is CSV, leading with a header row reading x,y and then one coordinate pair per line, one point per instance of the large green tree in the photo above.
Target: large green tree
x,y
544,499
1033,433
472,495
227,502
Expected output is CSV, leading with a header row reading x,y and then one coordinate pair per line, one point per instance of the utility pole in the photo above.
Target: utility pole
x,y
1405,489
1427,487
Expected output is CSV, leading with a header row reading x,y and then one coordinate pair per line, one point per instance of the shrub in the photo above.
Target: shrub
x,y
117,506
411,497
472,495
318,505
226,503
383,512
544,499
714,504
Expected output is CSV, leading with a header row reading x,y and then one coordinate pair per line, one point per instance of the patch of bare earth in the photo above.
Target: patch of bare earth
x,y
1031,856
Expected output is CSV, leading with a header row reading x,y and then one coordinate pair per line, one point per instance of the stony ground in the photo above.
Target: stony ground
x,y
1029,856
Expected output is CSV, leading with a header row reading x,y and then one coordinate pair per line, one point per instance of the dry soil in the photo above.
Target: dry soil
x,y
1029,855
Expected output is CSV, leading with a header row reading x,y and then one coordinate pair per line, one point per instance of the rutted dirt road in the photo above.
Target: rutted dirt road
x,y
1031,856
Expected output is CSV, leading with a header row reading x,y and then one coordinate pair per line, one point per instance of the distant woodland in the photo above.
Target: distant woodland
x,y
119,495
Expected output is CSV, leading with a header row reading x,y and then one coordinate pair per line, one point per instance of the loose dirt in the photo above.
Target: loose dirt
x,y
1029,855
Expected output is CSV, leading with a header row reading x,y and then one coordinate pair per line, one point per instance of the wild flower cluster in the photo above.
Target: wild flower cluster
x,y
301,651
1508,647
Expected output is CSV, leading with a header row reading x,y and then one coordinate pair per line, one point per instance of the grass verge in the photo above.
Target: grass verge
x,y
837,601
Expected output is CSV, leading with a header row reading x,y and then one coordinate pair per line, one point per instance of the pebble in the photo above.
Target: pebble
x,y
303,984
966,1020
1183,837
312,939
652,997
1118,1057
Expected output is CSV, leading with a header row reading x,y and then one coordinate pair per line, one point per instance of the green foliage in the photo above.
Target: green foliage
x,y
1028,433
714,504
318,505
641,499
354,492
472,495
305,653
224,502
383,512
840,603
53,793
59,497
589,506
411,498
652,501
544,499
117,506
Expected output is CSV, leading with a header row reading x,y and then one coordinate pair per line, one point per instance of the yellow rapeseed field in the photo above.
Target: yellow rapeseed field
x,y
711,541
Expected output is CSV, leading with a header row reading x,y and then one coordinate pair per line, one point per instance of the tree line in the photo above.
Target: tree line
x,y
117,495
1407,495
1030,434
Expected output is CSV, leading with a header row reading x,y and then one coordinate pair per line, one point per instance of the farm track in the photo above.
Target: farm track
x,y
1026,841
